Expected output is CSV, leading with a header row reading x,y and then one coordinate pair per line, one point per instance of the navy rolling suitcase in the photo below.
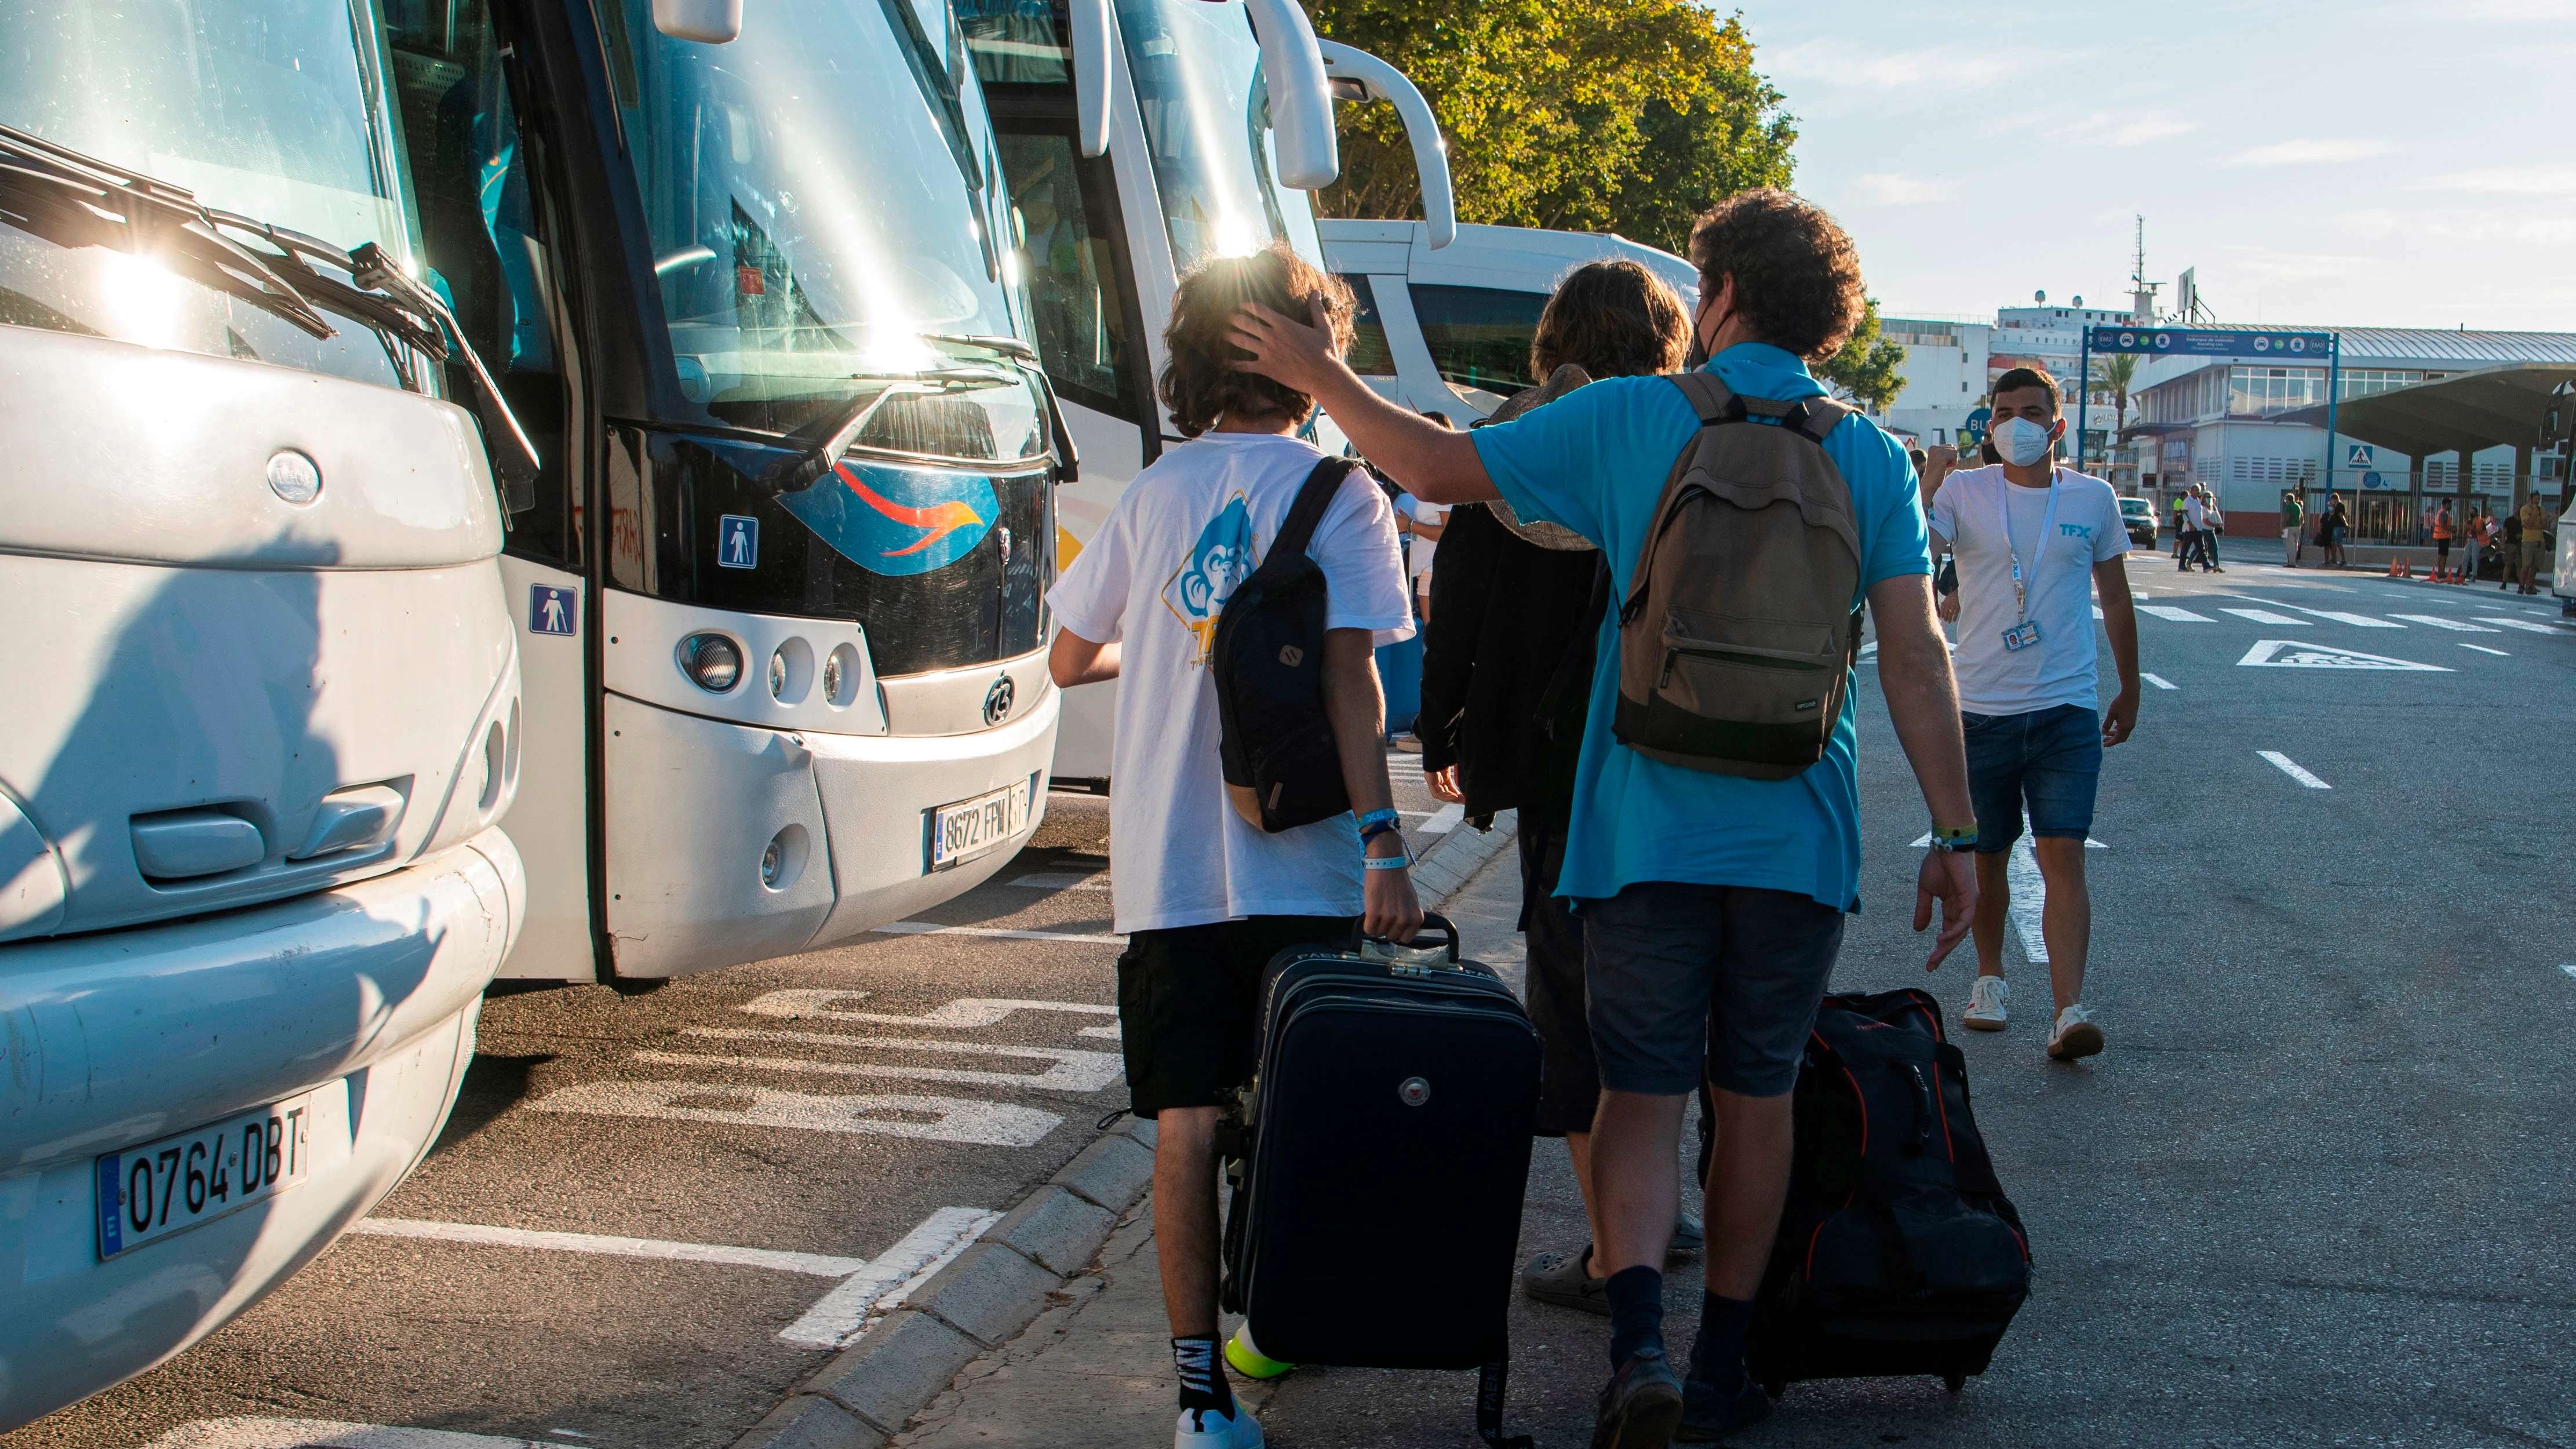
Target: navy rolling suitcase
x,y
1379,1160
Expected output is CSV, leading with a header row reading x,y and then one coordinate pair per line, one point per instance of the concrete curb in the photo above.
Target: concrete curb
x,y
993,1290
1454,859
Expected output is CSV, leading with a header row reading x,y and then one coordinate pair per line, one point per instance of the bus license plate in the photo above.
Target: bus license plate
x,y
960,832
149,1192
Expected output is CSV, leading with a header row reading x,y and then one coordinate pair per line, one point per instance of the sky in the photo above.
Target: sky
x,y
2407,164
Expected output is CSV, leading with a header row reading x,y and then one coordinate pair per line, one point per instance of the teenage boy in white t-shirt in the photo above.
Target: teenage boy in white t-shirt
x,y
2034,542
1204,898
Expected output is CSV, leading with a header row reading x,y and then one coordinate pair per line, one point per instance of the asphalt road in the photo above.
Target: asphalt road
x,y
2317,1189
721,1111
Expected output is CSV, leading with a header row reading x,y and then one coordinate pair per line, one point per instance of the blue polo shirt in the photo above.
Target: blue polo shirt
x,y
1595,461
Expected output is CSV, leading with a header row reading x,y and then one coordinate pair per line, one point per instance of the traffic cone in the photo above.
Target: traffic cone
x,y
2392,568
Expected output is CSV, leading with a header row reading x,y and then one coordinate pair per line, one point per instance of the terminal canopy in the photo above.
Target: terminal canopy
x,y
2506,406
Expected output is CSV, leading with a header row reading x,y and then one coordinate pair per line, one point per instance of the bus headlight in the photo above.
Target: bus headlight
x,y
712,662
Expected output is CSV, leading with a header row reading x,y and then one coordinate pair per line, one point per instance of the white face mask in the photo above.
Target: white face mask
x,y
2021,441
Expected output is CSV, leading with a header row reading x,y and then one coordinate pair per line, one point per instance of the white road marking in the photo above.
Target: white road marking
x,y
253,1433
2438,622
2158,680
1069,1070
2097,611
882,1286
2290,767
1064,880
2179,616
2482,649
2299,654
2525,625
2266,616
819,1265
926,928
971,1012
935,1119
2029,900
2089,843
1869,649
2358,621
1445,821
2569,968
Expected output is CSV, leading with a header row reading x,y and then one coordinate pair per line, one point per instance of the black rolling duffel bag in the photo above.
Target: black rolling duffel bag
x,y
1898,1251
1379,1160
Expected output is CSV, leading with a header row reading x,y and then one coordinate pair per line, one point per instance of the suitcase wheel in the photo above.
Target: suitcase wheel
x,y
1954,1382
1774,1388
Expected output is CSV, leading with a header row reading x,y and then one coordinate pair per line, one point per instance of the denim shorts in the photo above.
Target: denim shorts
x,y
1677,972
2049,760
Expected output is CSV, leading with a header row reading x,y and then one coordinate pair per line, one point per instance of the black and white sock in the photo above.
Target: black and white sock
x,y
1202,1374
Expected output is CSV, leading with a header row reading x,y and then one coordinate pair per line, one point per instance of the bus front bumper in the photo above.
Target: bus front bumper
x,y
360,1001
730,843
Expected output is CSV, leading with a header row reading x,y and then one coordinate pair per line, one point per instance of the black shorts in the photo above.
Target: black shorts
x,y
1188,1001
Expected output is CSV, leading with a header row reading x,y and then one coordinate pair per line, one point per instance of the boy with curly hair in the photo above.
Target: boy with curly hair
x,y
1204,898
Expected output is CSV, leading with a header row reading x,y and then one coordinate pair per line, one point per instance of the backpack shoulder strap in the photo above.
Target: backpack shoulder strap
x,y
1313,497
1817,416
1709,398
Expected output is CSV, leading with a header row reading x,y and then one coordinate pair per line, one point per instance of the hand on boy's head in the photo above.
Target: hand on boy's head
x,y
1284,350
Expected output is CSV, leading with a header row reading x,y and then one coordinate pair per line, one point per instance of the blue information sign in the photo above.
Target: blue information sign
x,y
2211,342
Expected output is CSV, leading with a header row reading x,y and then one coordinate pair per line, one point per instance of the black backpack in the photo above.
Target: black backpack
x,y
1283,768
1898,1251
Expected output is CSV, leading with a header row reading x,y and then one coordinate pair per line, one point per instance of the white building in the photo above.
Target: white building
x,y
1951,365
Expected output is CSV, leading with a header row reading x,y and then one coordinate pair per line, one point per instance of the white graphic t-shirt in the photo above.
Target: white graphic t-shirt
x,y
1154,580
2061,668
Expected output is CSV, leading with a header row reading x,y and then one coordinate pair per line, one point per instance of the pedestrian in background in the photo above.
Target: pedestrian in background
x,y
1506,683
2511,573
2214,528
2294,516
2480,528
1713,902
2338,531
1203,897
2034,544
2181,524
2535,541
2442,541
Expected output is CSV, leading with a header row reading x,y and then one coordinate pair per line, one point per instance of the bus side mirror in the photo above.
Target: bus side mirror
x,y
1093,44
708,22
1301,101
1353,70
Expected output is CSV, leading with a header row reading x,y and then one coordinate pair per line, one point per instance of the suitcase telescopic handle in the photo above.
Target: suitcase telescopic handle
x,y
1444,951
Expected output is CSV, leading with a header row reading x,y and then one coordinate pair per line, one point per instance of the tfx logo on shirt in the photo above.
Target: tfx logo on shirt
x,y
894,520
2074,530
1221,559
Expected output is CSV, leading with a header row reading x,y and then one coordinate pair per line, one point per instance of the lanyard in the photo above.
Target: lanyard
x,y
2003,502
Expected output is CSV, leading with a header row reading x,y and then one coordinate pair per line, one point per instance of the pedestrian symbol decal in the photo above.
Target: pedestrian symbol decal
x,y
737,542
552,610
2359,455
2299,654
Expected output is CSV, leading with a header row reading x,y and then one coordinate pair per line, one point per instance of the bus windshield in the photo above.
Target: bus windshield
x,y
822,196
271,109
1207,123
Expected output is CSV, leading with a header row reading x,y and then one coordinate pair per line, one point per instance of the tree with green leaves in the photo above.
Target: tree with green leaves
x,y
1870,369
1629,116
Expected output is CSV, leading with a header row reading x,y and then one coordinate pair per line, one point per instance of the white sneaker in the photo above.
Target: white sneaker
x,y
1985,1004
1208,1429
2076,1035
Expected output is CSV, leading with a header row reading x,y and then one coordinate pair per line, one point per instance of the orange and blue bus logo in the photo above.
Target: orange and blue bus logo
x,y
890,519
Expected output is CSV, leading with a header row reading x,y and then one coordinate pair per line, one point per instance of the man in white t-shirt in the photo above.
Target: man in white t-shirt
x,y
2034,542
1205,898
1429,521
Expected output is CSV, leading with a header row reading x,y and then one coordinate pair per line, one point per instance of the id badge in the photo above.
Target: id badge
x,y
2021,635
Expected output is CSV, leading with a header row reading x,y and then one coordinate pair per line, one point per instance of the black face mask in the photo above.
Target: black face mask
x,y
1697,357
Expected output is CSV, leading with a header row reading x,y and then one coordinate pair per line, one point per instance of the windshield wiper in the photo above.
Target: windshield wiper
x,y
76,200
820,443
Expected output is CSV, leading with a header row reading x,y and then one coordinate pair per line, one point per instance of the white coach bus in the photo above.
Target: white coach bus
x,y
1139,138
264,711
750,276
1448,330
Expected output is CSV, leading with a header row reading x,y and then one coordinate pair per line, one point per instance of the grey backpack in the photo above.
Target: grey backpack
x,y
1738,635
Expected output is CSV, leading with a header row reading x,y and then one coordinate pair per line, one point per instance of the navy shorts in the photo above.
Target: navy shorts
x,y
1189,1004
1678,972
2048,761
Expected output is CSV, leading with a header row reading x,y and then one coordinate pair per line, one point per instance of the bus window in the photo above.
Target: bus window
x,y
486,247
1480,336
1075,296
1369,355
1198,82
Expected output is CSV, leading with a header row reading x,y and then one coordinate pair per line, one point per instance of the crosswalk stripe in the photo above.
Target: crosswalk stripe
x,y
2524,625
2482,649
2179,616
2265,616
2158,680
925,928
2358,621
2438,622
2291,768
